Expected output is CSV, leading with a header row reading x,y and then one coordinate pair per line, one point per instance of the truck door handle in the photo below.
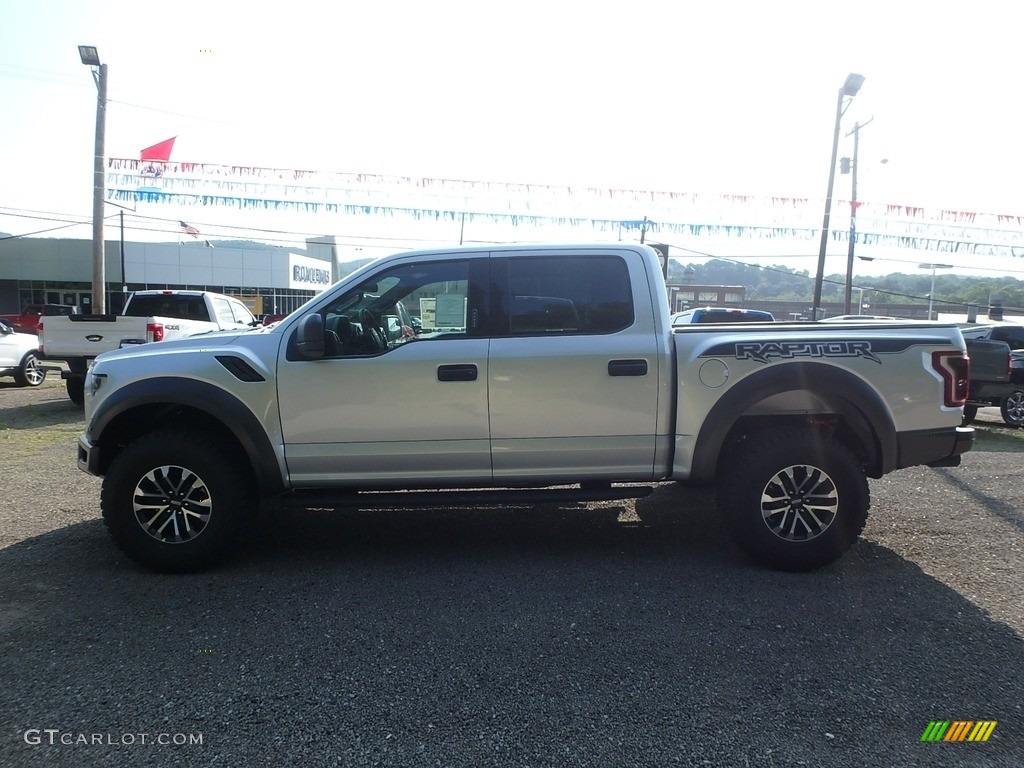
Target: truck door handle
x,y
456,372
627,367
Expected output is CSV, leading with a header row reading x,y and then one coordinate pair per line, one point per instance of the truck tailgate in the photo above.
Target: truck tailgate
x,y
89,335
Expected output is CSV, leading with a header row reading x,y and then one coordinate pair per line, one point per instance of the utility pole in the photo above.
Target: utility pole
x,y
99,278
853,213
853,220
90,57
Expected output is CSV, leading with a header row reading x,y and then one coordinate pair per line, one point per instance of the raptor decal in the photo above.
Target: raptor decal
x,y
767,351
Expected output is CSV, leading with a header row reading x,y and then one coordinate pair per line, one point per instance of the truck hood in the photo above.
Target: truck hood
x,y
202,341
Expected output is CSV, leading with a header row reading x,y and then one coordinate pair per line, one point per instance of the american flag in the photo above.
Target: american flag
x,y
188,229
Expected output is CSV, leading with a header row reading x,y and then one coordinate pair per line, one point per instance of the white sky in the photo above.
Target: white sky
x,y
724,96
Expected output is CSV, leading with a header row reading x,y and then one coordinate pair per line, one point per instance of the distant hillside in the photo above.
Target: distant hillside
x,y
779,283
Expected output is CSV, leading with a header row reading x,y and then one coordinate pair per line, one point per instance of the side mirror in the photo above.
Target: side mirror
x,y
309,337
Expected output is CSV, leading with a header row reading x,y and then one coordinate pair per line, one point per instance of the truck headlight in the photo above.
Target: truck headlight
x,y
93,382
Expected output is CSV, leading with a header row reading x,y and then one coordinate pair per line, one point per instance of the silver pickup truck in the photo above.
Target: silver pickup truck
x,y
534,373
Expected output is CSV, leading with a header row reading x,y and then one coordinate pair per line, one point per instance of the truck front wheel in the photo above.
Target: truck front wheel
x,y
174,500
795,499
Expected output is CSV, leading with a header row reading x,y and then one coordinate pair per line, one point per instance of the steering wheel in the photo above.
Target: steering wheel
x,y
371,331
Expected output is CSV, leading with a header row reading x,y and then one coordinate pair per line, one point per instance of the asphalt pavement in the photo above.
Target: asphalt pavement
x,y
605,635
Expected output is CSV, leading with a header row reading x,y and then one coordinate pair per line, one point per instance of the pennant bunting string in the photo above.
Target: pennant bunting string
x,y
679,213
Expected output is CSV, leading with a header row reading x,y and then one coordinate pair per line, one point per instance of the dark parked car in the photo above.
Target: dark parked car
x,y
997,370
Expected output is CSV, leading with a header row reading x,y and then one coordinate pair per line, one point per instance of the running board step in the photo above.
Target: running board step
x,y
374,499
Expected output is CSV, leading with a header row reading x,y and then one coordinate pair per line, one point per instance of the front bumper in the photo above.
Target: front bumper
x,y
88,456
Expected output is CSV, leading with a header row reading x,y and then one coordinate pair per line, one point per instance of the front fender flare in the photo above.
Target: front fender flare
x,y
221,406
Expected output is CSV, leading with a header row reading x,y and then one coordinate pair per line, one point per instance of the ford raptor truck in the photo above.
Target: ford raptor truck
x,y
537,373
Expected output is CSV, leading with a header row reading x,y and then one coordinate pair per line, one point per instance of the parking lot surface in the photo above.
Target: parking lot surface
x,y
594,635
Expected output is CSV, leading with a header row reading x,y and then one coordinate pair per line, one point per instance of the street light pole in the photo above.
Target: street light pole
x,y
124,280
931,293
90,57
850,88
860,298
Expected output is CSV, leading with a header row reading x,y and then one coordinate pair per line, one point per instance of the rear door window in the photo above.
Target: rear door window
x,y
568,295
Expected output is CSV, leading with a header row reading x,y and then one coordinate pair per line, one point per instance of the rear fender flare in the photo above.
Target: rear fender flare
x,y
849,394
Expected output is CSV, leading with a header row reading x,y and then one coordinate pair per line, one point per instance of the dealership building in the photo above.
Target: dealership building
x,y
270,280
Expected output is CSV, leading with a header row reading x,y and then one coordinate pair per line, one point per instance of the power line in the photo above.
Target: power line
x,y
202,118
209,229
40,75
43,231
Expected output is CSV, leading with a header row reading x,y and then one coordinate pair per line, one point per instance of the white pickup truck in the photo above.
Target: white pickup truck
x,y
147,316
545,373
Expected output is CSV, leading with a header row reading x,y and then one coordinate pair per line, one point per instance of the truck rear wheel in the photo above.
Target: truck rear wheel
x,y
795,499
174,500
1012,408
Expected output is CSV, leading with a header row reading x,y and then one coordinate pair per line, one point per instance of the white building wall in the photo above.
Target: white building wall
x,y
258,268
52,259
56,260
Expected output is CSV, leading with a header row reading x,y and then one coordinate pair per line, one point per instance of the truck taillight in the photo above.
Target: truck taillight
x,y
955,369
155,331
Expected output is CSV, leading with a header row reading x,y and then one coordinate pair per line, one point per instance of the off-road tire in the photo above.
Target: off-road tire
x,y
794,499
175,499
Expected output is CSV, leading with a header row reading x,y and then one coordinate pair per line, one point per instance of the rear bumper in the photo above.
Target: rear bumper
x,y
934,447
991,392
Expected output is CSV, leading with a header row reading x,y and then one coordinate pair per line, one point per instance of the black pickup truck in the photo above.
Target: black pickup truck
x,y
997,371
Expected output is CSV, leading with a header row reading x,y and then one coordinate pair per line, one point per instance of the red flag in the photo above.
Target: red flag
x,y
161,151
